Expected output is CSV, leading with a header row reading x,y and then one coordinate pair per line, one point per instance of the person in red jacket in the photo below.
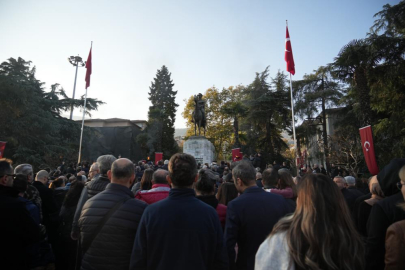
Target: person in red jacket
x,y
160,188
205,191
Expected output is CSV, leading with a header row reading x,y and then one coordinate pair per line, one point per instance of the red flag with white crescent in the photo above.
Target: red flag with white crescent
x,y
288,53
158,157
88,70
368,149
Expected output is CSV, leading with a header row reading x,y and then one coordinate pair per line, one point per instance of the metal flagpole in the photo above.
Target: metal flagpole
x,y
84,113
293,120
81,133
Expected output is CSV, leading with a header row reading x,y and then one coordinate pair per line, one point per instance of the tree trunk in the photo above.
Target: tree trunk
x,y
324,131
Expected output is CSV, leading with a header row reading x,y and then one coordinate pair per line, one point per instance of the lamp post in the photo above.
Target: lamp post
x,y
75,61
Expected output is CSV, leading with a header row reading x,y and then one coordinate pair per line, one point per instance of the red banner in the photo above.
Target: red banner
x,y
236,155
2,147
288,55
368,149
158,157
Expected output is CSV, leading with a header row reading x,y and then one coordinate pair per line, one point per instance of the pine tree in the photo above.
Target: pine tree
x,y
162,114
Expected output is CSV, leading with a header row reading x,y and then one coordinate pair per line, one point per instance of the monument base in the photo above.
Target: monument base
x,y
200,148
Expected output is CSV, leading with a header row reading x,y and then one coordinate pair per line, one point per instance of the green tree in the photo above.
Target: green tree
x,y
236,109
219,125
30,117
268,115
318,88
162,114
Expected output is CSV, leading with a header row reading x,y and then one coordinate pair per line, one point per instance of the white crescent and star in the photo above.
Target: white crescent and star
x,y
365,145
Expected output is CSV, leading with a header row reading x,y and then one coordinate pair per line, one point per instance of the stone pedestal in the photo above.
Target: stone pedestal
x,y
200,148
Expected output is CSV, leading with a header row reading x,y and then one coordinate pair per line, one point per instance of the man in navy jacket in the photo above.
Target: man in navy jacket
x,y
250,217
180,232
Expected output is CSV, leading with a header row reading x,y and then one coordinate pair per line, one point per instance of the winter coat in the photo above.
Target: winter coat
x,y
221,209
179,232
111,248
250,219
18,230
286,193
157,193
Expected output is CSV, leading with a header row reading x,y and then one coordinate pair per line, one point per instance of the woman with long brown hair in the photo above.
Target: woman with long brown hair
x,y
285,185
145,183
319,235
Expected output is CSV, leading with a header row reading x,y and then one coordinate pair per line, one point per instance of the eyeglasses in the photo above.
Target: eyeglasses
x,y
399,185
12,175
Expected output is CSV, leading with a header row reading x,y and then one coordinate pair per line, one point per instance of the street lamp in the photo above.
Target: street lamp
x,y
75,61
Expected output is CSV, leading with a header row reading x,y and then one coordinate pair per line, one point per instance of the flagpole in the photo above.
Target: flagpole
x,y
84,113
293,120
81,133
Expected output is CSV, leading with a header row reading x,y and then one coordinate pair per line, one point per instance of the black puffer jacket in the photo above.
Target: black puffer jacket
x,y
97,185
111,249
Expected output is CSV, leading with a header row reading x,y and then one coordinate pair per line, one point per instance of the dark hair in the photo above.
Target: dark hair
x,y
270,177
56,183
226,193
20,182
160,162
5,167
159,176
228,178
206,182
73,195
285,180
146,181
245,172
182,169
321,234
122,171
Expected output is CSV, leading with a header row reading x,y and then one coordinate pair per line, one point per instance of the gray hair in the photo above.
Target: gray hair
x,y
25,169
166,162
94,167
245,171
350,180
105,162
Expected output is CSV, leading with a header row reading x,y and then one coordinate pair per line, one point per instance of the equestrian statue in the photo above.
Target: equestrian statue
x,y
199,114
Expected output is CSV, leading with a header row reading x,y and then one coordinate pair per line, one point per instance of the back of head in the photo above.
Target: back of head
x,y
57,183
182,170
122,170
321,233
206,182
245,172
350,180
286,180
270,177
5,167
159,176
41,175
20,183
25,169
226,193
105,162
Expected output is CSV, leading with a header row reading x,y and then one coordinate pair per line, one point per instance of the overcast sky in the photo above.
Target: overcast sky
x,y
203,43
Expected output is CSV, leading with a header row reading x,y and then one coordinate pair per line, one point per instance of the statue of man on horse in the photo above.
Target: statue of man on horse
x,y
199,114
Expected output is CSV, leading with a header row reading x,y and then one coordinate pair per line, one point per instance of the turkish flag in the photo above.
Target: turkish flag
x,y
88,70
288,53
236,155
158,157
368,149
2,147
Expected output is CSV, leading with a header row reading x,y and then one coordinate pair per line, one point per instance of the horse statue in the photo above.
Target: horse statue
x,y
199,114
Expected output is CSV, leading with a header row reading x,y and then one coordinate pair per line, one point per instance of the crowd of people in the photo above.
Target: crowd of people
x,y
178,214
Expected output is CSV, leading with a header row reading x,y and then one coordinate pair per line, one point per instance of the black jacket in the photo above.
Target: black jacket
x,y
383,214
250,219
111,249
96,186
18,230
49,205
179,232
